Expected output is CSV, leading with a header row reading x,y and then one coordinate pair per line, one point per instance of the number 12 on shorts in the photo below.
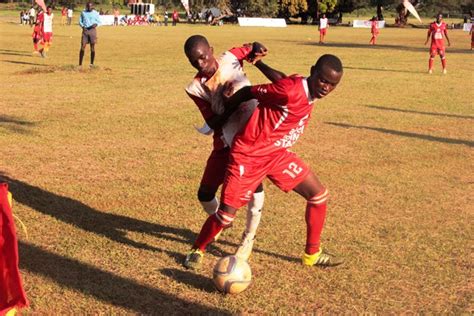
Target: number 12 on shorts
x,y
293,170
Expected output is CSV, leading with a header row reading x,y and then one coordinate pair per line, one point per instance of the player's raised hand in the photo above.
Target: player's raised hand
x,y
258,52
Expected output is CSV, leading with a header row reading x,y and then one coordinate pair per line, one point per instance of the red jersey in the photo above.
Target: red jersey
x,y
64,12
437,33
279,120
230,68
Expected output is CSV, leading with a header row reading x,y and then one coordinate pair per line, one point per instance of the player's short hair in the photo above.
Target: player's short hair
x,y
193,41
328,60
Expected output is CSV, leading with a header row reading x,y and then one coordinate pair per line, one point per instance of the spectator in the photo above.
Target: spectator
x,y
32,14
166,18
116,16
175,17
70,14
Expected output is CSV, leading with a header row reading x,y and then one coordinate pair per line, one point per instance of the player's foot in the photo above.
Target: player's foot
x,y
245,248
445,71
430,71
322,259
193,259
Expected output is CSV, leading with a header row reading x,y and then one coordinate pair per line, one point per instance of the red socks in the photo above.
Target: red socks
x,y
443,62
213,225
430,63
315,216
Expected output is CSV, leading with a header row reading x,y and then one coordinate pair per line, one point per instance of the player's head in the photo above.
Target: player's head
x,y
89,6
201,55
324,16
439,17
48,10
325,76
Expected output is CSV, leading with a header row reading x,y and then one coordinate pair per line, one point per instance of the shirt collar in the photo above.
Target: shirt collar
x,y
306,90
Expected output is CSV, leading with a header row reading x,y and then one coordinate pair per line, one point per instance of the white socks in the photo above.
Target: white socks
x,y
254,214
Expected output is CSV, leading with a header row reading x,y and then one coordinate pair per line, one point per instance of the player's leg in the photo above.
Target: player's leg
x,y
254,214
293,174
316,196
239,186
212,178
442,55
433,52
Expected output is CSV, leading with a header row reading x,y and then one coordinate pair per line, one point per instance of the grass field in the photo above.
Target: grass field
x,y
104,165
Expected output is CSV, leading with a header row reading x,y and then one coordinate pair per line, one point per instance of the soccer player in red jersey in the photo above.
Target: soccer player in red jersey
x,y
204,90
374,29
47,31
436,31
261,149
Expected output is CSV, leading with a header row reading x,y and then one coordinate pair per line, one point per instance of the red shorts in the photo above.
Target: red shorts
x,y
48,37
437,49
322,31
216,165
244,174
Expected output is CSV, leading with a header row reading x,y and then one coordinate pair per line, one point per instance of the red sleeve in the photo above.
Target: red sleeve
x,y
272,94
241,52
203,106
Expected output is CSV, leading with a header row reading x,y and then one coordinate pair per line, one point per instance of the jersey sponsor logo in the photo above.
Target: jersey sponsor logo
x,y
290,139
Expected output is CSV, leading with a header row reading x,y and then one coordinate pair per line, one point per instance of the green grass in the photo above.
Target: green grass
x,y
104,165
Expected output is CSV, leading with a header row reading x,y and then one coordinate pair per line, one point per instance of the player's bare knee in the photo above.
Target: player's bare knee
x,y
227,209
259,188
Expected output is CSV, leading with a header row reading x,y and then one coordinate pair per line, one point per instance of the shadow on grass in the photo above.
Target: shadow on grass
x,y
468,117
111,226
384,70
106,286
14,54
14,124
407,134
382,46
187,277
22,63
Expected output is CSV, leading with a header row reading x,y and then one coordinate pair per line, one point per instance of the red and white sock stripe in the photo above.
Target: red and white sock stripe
x,y
224,218
319,198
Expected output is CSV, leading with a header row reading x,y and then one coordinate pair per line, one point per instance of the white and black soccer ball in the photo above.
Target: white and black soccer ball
x,y
232,275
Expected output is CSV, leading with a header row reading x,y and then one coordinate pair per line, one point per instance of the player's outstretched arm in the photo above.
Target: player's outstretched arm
x,y
272,74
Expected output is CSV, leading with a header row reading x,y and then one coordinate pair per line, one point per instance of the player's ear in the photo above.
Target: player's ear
x,y
211,49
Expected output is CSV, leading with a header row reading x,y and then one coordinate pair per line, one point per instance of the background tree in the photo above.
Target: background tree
x,y
290,8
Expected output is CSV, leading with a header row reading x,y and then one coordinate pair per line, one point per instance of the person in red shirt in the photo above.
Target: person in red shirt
x,y
374,29
437,30
203,90
63,15
175,17
261,149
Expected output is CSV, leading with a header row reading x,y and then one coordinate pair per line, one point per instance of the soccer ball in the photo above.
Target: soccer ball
x,y
232,275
